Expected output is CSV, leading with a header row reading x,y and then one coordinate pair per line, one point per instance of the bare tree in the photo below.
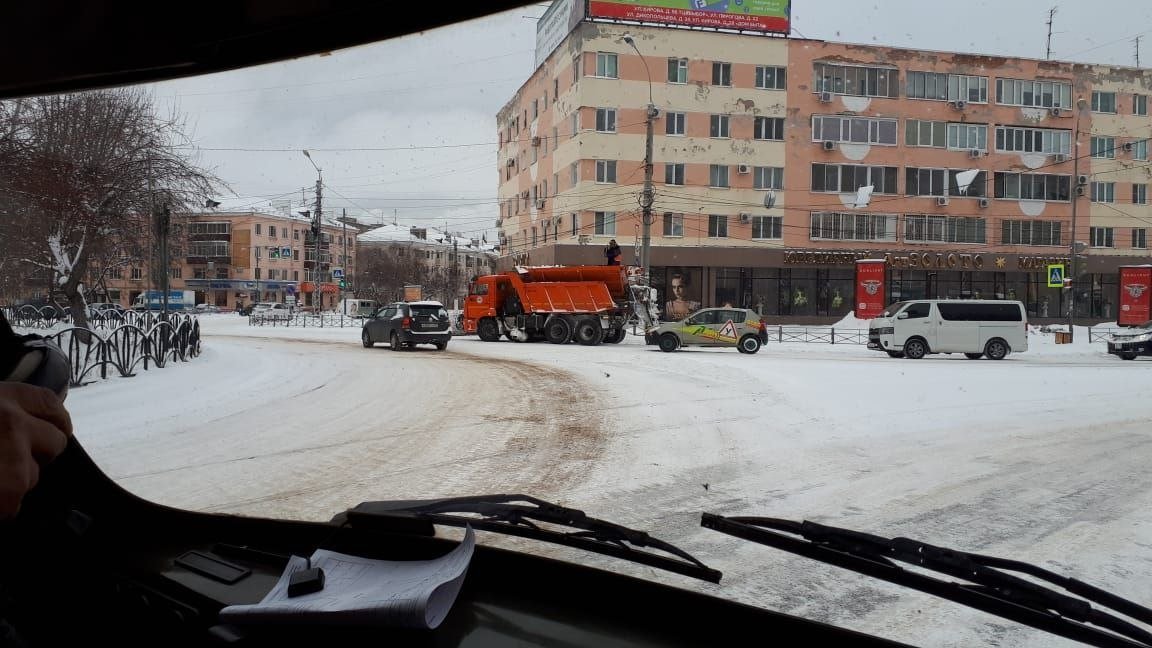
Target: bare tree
x,y
81,176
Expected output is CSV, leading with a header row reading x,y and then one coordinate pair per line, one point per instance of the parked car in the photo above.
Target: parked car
x,y
712,327
207,308
976,328
106,310
1136,341
406,324
271,310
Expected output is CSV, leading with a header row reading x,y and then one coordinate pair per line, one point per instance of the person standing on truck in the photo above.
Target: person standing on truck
x,y
613,253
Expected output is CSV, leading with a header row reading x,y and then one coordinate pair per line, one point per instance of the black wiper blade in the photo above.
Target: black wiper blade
x,y
518,515
991,590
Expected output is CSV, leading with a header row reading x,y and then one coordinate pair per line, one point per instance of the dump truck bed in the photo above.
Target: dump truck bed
x,y
566,297
613,277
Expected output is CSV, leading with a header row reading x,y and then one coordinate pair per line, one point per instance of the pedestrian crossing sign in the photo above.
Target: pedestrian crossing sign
x,y
1056,276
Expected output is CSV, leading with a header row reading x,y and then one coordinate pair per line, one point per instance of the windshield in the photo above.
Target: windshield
x,y
882,156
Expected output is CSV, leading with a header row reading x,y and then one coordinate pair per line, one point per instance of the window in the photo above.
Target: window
x,y
856,80
677,70
1140,149
605,223
1103,102
295,255
768,178
847,178
257,228
925,133
967,137
177,272
1101,236
854,130
674,123
271,231
927,85
1031,232
575,224
606,120
295,275
973,89
771,77
575,123
606,171
136,273
211,249
1104,192
721,74
1103,147
534,242
555,90
769,128
717,225
719,126
944,229
210,228
606,65
1032,186
926,182
256,273
1139,104
1035,94
1139,194
836,226
673,224
718,175
767,227
1033,140
674,173
577,69
574,173
535,108
296,234
1140,238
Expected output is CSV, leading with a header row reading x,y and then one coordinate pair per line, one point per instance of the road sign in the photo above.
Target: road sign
x,y
1056,276
337,273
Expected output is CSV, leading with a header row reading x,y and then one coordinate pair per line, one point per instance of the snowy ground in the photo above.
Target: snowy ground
x,y
1040,457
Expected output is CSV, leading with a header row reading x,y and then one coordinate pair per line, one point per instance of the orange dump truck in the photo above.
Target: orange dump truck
x,y
585,304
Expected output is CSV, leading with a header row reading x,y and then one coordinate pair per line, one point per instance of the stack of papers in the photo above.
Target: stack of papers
x,y
362,591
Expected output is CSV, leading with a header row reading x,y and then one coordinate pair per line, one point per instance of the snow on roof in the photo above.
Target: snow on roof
x,y
433,237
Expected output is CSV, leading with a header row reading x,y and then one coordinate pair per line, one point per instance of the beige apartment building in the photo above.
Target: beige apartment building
x,y
977,166
238,258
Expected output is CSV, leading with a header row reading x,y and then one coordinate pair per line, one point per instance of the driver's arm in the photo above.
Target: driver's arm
x,y
34,429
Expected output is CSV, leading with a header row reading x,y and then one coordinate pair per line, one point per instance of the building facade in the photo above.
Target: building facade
x,y
978,167
442,263
233,259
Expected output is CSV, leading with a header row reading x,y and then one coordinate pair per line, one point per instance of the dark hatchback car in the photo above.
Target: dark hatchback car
x,y
1134,342
406,324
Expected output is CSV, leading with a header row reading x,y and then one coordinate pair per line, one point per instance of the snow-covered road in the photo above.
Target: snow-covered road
x,y
1040,457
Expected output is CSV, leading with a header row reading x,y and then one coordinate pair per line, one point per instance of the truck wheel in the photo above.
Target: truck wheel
x,y
558,331
669,342
588,331
915,349
487,330
996,349
749,344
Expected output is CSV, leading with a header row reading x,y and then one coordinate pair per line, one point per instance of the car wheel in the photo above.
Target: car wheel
x,y
915,349
973,356
366,338
440,346
394,341
996,349
558,331
669,342
1127,356
487,330
749,344
895,354
588,331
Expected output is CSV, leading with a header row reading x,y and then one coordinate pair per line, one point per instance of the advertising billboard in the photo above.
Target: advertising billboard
x,y
555,25
746,15
1135,295
870,290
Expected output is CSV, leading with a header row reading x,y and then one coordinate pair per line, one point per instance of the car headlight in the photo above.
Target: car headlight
x,y
1142,338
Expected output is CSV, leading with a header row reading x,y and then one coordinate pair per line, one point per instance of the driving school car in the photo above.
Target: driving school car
x,y
712,327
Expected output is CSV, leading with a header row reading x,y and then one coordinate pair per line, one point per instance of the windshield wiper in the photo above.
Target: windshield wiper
x,y
517,515
991,590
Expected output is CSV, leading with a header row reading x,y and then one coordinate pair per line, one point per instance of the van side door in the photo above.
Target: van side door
x,y
959,330
917,320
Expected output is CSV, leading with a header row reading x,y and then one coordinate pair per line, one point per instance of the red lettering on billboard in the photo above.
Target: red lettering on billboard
x,y
871,291
1135,295
713,15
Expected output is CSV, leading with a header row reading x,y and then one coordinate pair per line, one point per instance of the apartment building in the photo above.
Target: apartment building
x,y
236,258
977,165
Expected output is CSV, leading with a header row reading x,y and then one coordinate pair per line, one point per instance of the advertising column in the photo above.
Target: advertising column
x,y
1135,295
870,288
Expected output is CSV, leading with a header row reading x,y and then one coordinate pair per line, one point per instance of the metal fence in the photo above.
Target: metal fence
x,y
1101,334
118,344
333,320
817,335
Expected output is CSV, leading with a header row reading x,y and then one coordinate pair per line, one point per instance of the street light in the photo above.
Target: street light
x,y
646,197
316,297
1075,200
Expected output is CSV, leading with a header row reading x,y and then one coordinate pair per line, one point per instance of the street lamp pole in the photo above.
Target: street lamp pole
x,y
1075,200
317,298
647,197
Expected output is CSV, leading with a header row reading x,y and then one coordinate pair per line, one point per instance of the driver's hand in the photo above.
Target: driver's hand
x,y
34,429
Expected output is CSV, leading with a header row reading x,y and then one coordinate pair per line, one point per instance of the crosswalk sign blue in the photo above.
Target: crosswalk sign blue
x,y
1056,276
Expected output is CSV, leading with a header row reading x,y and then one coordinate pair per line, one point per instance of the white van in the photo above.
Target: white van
x,y
356,307
976,328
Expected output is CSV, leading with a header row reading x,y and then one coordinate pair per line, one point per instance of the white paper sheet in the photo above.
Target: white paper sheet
x,y
363,591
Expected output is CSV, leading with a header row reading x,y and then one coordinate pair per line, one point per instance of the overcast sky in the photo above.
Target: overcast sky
x,y
432,99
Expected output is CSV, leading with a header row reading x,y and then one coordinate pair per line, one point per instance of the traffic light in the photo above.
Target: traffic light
x,y
343,285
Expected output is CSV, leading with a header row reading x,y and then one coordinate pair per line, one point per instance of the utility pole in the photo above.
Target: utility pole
x,y
317,298
1075,200
162,227
1051,16
1137,41
344,260
455,272
647,197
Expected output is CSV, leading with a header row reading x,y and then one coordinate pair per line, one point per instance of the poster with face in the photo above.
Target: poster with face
x,y
682,288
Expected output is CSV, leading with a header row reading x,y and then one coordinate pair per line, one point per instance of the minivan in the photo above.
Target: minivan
x,y
976,328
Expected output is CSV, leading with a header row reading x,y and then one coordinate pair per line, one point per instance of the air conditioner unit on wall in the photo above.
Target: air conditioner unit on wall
x,y
1128,146
826,97
745,217
959,104
983,202
1081,179
829,145
1055,111
942,201
1080,191
743,168
975,153
536,140
539,203
1059,158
